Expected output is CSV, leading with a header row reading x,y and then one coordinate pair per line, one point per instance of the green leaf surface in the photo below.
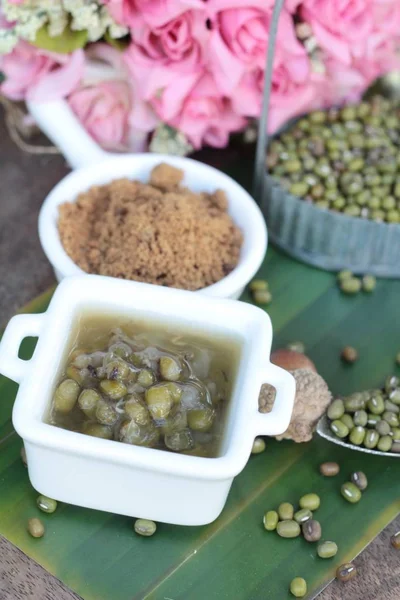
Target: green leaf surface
x,y
99,556
65,43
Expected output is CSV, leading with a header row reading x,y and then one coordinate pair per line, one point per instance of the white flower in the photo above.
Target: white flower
x,y
83,15
167,140
8,40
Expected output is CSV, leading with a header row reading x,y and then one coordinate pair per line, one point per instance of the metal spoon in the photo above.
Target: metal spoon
x,y
324,431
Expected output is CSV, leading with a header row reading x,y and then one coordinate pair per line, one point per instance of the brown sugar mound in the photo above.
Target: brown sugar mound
x,y
158,233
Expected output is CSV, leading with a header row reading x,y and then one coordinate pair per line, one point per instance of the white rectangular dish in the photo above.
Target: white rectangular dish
x,y
121,478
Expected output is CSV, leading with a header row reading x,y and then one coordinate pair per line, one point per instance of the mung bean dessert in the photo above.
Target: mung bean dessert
x,y
146,384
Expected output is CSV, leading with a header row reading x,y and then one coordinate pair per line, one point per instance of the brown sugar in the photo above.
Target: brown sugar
x,y
158,233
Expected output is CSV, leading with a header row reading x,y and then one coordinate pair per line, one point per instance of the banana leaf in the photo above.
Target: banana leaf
x,y
99,556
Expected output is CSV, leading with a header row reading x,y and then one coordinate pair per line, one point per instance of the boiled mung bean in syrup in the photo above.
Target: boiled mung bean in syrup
x,y
137,384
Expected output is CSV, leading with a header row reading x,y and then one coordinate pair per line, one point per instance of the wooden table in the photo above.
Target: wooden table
x,y
24,273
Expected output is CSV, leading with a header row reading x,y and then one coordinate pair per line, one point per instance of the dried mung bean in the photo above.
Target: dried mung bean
x,y
286,511
394,396
359,479
311,501
346,572
350,286
36,528
360,418
258,285
336,409
303,515
296,347
395,540
258,446
391,383
45,504
395,448
385,443
354,402
371,439
348,421
368,283
391,418
373,420
395,434
392,407
262,297
376,405
298,587
311,530
345,274
288,529
329,469
349,354
383,428
357,435
327,549
145,527
351,492
339,429
270,520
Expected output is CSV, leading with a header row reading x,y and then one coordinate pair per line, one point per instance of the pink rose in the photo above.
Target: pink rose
x,y
306,91
206,117
154,12
342,28
178,39
239,39
38,75
104,101
165,62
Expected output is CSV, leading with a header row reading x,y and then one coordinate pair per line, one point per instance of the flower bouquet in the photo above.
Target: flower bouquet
x,y
180,74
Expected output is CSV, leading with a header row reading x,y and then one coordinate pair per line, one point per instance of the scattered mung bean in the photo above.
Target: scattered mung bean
x,y
329,469
258,285
359,479
350,286
395,540
346,572
351,492
270,520
311,501
45,504
258,446
262,297
288,529
311,530
298,587
368,283
303,515
327,549
285,511
145,527
349,354
36,528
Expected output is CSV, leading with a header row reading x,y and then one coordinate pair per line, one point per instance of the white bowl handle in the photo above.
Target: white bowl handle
x,y
277,421
19,327
62,127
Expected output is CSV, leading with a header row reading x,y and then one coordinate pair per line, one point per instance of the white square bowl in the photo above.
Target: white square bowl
x,y
131,480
